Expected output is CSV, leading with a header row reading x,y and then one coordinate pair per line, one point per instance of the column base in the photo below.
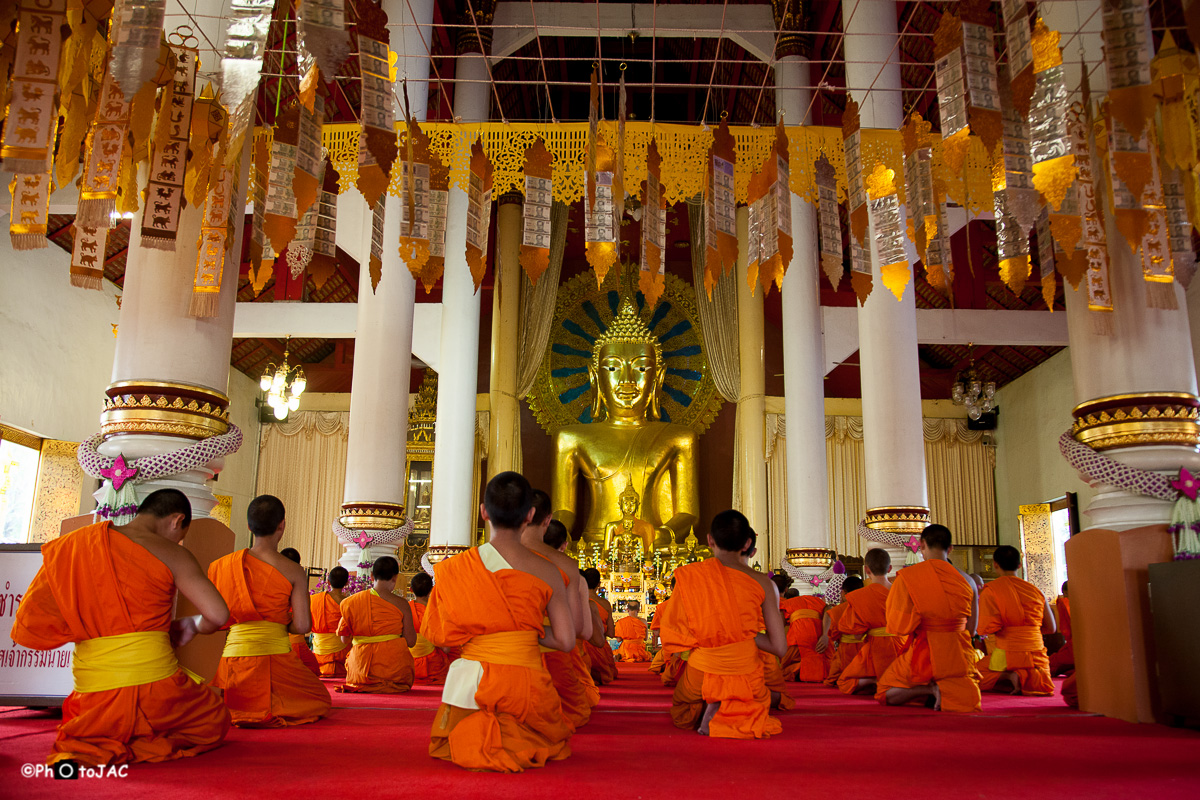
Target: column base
x,y
902,523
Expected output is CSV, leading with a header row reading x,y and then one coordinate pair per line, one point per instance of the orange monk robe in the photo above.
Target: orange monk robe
x,y
271,688
802,662
499,709
866,615
330,650
1063,659
667,666
632,633
842,648
716,613
429,663
1013,609
932,601
601,662
772,677
379,660
83,594
300,648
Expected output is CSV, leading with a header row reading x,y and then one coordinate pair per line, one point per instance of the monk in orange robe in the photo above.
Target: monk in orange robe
x,y
719,607
429,663
298,642
603,665
935,602
772,666
866,616
1019,614
132,701
499,709
838,646
1062,660
631,630
667,666
326,610
265,684
379,627
804,615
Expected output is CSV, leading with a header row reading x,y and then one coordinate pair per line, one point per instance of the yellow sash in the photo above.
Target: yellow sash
x,y
1021,638
514,648
422,648
383,637
326,644
128,659
848,638
879,632
258,638
730,659
803,613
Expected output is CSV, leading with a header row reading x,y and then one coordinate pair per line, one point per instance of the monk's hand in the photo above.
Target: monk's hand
x,y
822,643
183,630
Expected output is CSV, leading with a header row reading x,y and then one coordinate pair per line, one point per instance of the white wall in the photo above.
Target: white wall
x,y
1035,409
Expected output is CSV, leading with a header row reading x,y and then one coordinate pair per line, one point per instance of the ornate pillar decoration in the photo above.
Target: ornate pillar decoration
x,y
897,501
504,449
452,528
751,405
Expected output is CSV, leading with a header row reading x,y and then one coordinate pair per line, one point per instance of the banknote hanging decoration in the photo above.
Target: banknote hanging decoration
x,y
378,117
1016,202
619,160
1177,75
102,157
262,259
415,202
589,165
829,221
1019,42
1179,227
215,239
300,251
134,57
479,212
33,105
924,198
965,71
87,256
769,197
306,178
323,29
720,208
169,153
1046,261
375,261
861,278
30,210
324,258
439,208
1091,213
535,214
601,227
245,42
652,273
281,215
887,228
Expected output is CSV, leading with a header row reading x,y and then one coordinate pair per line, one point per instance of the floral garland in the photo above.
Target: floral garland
x,y
119,503
911,543
832,578
364,539
356,584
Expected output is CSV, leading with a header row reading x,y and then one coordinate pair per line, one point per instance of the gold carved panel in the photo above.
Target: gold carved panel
x,y
59,488
1037,545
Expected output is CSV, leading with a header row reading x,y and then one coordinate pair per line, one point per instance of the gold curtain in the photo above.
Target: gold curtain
x,y
959,468
303,462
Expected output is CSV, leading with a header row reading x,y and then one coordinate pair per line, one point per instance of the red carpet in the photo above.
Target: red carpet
x,y
832,746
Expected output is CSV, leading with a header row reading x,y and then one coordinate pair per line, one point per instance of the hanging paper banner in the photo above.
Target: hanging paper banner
x,y
102,166
282,216
1050,140
1066,222
245,41
139,27
593,133
479,212
378,117
1045,241
601,226
30,210
968,93
439,208
1084,131
416,201
1183,257
300,251
323,28
324,259
887,229
721,244
861,278
619,161
1128,51
829,222
1157,270
77,98
1016,202
306,179
262,258
1019,43
652,275
33,106
209,128
211,248
168,161
375,264
1177,76
769,249
87,256
925,226
535,214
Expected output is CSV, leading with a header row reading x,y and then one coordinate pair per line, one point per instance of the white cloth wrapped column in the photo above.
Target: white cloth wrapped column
x,y
751,406
897,499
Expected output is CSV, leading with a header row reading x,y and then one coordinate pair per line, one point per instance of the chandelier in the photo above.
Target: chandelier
x,y
283,384
978,396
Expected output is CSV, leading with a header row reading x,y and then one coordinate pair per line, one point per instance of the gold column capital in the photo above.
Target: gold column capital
x,y
898,519
1138,419
811,558
372,515
164,408
440,552
791,18
468,40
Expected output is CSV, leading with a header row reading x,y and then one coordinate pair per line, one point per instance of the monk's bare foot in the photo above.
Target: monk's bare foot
x,y
775,698
937,698
709,712
864,686
1015,681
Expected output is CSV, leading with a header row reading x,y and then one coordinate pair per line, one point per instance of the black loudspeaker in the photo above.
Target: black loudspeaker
x,y
986,422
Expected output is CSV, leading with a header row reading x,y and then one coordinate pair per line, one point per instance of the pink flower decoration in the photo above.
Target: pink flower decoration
x,y
119,473
363,539
913,543
815,580
1187,484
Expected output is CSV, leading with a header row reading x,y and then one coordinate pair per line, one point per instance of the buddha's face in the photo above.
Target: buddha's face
x,y
629,505
627,379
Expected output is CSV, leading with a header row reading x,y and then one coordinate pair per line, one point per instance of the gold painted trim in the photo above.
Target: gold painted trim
x,y
164,408
440,552
372,516
183,388
810,557
898,519
1132,420
17,436
1139,398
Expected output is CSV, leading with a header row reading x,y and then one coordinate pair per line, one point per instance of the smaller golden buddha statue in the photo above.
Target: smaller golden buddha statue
x,y
628,541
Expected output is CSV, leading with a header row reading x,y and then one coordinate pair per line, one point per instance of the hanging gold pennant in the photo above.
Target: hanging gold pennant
x,y
1183,257
300,251
306,178
168,161
925,224
1066,222
619,160
211,247
378,118
30,210
262,258
245,41
1050,140
415,206
323,27
887,229
652,274
1177,76
102,166
601,227
1157,269
209,123
721,242
439,208
1019,43
829,221
1046,259
769,245
1086,135
282,216
324,259
375,263
134,57
1016,202
479,212
1128,51
861,278
535,213
77,96
968,92
33,106
87,256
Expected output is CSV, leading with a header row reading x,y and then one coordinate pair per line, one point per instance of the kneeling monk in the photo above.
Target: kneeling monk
x,y
934,601
805,616
631,630
265,684
300,643
1017,612
379,625
667,666
600,656
132,701
866,616
429,663
718,608
326,608
838,645
499,709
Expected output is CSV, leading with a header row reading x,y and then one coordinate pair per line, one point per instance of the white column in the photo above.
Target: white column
x,y
887,329
803,356
452,520
751,407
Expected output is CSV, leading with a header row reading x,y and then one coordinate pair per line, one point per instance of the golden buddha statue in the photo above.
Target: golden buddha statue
x,y
627,437
629,541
